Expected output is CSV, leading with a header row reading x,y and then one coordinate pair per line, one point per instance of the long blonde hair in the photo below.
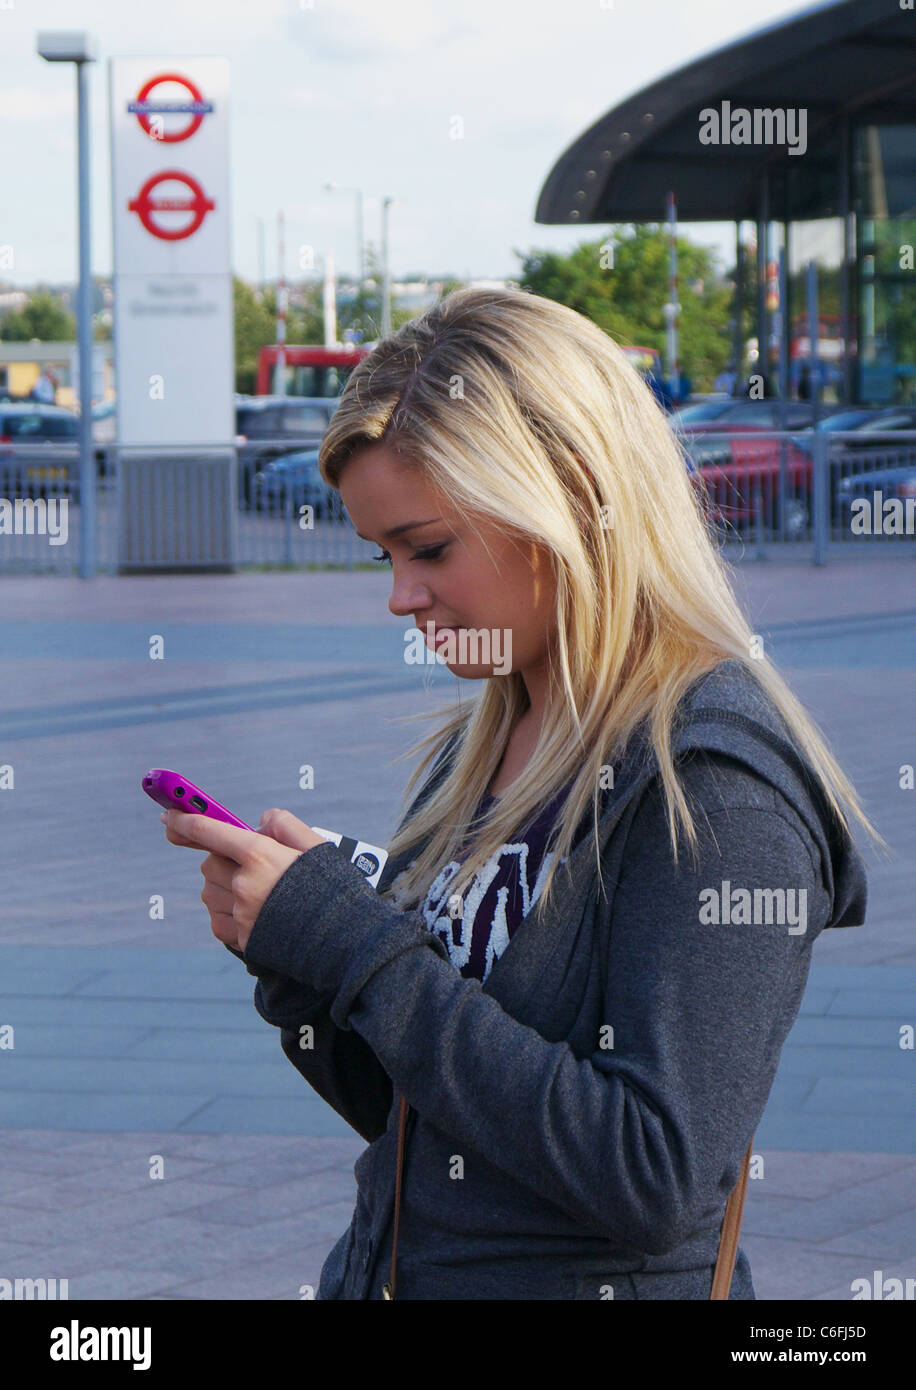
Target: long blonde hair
x,y
522,411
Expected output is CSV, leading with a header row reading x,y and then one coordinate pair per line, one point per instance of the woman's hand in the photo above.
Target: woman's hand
x,y
242,866
284,827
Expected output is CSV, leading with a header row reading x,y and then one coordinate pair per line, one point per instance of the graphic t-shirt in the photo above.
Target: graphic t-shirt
x,y
478,929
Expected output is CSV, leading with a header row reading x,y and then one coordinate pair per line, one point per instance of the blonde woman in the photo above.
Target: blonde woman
x,y
568,997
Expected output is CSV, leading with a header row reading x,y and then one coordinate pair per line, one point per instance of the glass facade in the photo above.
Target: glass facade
x,y
884,201
861,178
819,240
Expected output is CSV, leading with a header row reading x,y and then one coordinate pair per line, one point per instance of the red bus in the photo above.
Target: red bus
x,y
310,371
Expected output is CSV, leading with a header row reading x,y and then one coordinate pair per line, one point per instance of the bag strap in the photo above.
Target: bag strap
x,y
731,1225
728,1238
388,1289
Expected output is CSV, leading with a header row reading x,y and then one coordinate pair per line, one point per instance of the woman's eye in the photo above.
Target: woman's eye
x,y
432,554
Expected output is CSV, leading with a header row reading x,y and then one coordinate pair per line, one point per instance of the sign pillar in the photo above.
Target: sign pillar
x,y
173,309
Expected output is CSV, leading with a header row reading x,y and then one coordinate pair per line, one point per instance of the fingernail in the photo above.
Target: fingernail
x,y
164,816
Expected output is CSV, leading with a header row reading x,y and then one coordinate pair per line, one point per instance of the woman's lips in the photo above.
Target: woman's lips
x,y
435,635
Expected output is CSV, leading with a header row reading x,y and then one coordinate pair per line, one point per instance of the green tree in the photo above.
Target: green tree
x,y
621,283
305,321
43,317
255,326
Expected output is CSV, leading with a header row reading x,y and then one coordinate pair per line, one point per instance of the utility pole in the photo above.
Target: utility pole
x,y
673,308
386,276
280,372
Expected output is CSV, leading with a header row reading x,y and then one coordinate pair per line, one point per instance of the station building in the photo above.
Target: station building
x,y
807,129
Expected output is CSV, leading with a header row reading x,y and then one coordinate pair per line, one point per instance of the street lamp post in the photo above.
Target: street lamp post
x,y
80,48
386,274
260,222
280,368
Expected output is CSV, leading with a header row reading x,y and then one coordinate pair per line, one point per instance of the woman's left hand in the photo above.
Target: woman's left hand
x,y
241,868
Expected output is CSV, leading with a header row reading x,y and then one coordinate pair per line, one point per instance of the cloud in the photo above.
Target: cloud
x,y
357,30
320,99
37,103
168,26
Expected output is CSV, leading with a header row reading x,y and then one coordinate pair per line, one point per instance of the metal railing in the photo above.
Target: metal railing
x,y
851,480
773,489
39,496
765,492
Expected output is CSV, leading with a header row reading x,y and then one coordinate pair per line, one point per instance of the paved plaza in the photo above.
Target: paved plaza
x,y
137,1037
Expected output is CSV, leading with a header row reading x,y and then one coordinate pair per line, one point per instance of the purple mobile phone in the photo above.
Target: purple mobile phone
x,y
171,790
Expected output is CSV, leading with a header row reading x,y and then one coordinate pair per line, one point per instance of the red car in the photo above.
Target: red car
x,y
743,475
753,480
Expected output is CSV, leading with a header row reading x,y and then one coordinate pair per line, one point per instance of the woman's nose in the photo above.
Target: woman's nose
x,y
407,597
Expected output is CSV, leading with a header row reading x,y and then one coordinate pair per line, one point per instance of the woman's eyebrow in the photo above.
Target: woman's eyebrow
x,y
397,530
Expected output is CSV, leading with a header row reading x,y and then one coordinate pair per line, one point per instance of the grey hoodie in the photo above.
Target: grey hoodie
x,y
578,1120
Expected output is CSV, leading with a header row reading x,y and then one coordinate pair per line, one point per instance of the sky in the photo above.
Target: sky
x,y
361,93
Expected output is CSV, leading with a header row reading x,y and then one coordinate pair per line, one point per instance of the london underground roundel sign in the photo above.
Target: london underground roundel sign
x,y
150,208
144,106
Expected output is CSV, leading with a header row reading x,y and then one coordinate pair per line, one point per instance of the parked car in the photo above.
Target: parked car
x,y
294,480
690,417
56,430
898,481
849,418
879,429
742,413
740,469
753,478
282,417
698,426
267,427
718,438
33,422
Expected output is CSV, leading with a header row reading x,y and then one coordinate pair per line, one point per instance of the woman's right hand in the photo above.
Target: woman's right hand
x,y
287,829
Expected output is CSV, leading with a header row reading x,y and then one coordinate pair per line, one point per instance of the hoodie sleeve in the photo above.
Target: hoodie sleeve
x,y
338,1063
699,1012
